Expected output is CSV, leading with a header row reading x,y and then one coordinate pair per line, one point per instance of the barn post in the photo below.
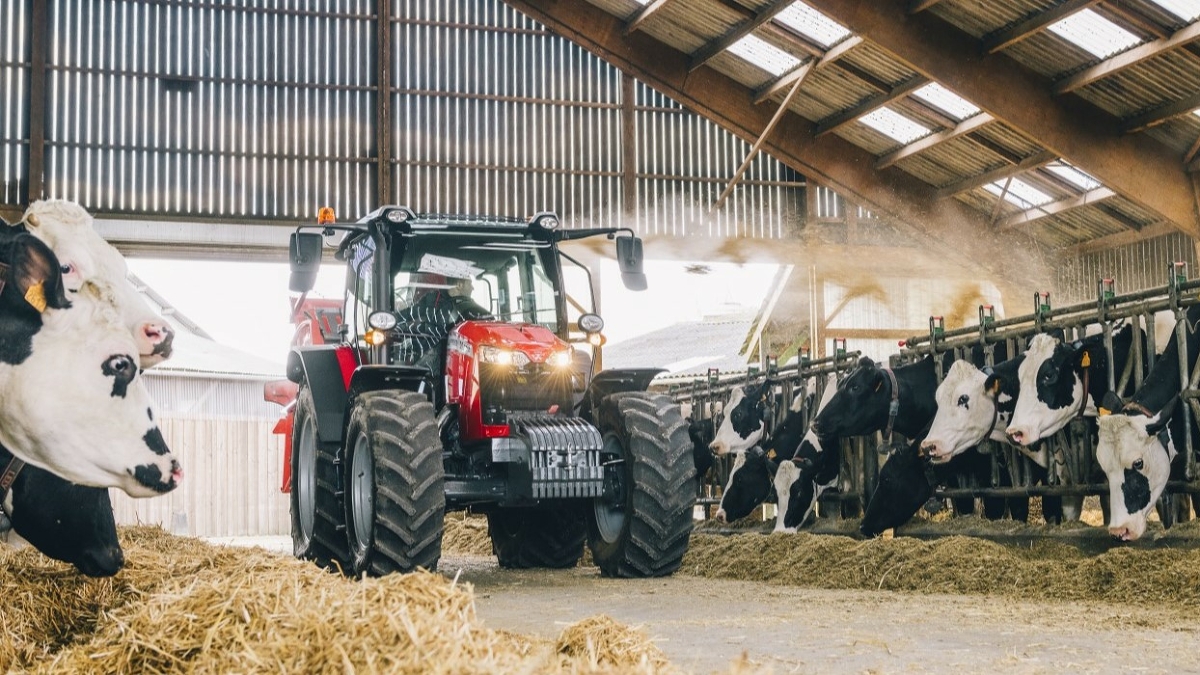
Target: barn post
x,y
383,106
629,144
38,42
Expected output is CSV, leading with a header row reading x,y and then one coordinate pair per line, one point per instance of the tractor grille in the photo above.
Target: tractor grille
x,y
564,455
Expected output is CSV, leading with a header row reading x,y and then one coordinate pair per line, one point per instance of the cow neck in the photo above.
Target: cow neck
x,y
995,414
893,406
1164,438
12,466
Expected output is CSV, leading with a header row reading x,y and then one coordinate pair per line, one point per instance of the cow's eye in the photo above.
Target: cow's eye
x,y
1138,464
963,401
121,366
66,268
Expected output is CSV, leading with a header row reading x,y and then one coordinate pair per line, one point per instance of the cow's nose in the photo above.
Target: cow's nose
x,y
720,516
155,338
718,448
1015,435
930,449
176,472
1121,533
101,562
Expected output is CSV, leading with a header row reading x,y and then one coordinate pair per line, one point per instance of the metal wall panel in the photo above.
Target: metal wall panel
x,y
14,99
1134,267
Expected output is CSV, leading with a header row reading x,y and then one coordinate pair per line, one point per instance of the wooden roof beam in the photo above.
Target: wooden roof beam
x,y
841,119
947,226
637,20
1028,164
1160,114
709,51
1007,37
1046,210
964,127
1134,165
916,6
1127,58
1121,13
785,81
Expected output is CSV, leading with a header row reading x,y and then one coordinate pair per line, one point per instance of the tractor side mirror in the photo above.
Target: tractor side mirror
x,y
304,257
629,259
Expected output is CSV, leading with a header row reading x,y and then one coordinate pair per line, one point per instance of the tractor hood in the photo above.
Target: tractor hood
x,y
534,341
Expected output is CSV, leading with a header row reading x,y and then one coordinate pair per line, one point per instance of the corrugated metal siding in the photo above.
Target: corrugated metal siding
x,y
14,100
209,397
1134,267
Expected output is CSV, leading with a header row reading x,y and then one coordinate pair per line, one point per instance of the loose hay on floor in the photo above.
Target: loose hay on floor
x,y
182,605
466,535
954,564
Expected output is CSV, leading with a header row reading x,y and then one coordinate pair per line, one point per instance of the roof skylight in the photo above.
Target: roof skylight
x,y
1094,33
813,24
1074,176
947,101
894,125
764,55
1188,10
1020,193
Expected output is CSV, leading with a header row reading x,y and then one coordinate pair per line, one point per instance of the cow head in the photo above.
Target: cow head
x,y
701,433
66,522
745,419
30,284
901,491
1052,389
750,484
966,412
76,405
861,400
1137,463
85,256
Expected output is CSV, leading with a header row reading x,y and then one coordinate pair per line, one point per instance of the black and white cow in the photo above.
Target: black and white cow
x,y
64,521
85,256
701,433
71,401
1140,441
746,416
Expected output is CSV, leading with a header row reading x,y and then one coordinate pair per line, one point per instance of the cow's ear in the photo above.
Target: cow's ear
x,y
991,386
1111,403
1163,417
866,362
37,275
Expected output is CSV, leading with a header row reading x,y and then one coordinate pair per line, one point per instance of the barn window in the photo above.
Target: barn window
x,y
1188,10
1094,33
764,55
1020,193
894,125
947,101
813,24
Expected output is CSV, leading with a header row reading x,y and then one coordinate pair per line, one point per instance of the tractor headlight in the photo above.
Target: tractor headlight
x,y
560,359
375,337
382,320
590,323
502,357
596,339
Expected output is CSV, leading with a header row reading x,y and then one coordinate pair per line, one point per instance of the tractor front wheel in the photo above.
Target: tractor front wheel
x,y
548,536
315,508
641,526
395,503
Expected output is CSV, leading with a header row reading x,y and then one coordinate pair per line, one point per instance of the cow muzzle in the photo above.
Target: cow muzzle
x,y
720,516
151,476
101,562
1018,435
935,451
154,341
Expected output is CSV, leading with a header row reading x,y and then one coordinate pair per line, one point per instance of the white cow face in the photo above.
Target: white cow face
x,y
787,474
77,407
966,413
1137,466
1051,392
743,425
85,256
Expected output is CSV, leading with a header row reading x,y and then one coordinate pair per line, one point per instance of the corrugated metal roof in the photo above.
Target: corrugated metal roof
x,y
685,348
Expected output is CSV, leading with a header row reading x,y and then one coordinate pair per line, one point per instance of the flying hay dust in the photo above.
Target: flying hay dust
x,y
182,605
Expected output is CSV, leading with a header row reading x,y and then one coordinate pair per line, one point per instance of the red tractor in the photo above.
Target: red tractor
x,y
459,380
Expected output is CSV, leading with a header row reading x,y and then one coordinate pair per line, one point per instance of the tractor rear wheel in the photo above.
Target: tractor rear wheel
x,y
317,515
549,536
641,525
395,503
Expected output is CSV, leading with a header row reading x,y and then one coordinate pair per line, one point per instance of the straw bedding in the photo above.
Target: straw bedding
x,y
182,605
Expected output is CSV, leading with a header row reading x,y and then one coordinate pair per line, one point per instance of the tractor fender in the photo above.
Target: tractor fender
x,y
612,382
373,378
323,368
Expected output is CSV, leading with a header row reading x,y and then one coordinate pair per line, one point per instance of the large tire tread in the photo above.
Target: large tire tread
x,y
550,536
658,523
327,546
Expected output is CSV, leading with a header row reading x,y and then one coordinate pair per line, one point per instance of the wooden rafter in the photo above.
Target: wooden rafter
x,y
964,127
1125,221
1192,152
784,81
707,52
1134,165
1128,58
637,20
1161,114
1007,37
916,6
1029,163
1046,210
1123,13
841,119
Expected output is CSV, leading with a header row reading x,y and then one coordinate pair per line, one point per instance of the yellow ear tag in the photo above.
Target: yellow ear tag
x,y
771,454
1103,412
36,296
1086,361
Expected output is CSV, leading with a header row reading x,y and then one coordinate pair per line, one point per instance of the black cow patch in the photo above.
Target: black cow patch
x,y
151,476
1055,381
154,440
749,485
122,369
1136,489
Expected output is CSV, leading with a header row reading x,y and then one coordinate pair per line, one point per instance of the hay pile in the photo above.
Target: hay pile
x,y
182,605
466,535
951,565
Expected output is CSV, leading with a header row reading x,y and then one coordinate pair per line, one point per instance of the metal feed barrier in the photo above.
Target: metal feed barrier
x,y
1072,468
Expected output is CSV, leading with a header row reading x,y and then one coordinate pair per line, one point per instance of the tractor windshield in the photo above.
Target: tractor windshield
x,y
504,275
